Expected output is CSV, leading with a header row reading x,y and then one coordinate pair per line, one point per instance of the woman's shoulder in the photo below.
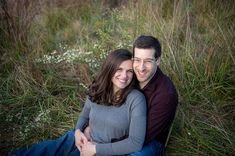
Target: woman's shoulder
x,y
88,100
135,93
136,99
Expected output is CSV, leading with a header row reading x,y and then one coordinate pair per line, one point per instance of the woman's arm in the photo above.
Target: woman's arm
x,y
84,115
80,138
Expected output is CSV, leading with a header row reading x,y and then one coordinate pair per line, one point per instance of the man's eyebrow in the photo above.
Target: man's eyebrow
x,y
145,58
149,59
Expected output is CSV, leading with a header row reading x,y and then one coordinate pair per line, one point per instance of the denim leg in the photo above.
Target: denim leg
x,y
154,148
75,152
59,147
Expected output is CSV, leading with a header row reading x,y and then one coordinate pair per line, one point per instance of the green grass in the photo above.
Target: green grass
x,y
45,68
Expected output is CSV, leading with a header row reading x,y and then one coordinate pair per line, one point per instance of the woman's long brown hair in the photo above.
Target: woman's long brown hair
x,y
101,89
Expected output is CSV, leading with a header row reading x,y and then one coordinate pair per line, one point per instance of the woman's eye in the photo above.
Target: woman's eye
x,y
130,71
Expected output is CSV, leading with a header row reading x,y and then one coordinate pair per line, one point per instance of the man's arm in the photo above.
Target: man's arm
x,y
160,115
87,133
80,139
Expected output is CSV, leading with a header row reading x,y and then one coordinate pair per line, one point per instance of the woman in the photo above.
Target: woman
x,y
115,111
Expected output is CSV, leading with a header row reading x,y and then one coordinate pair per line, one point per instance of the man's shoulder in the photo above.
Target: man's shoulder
x,y
166,90
163,86
169,85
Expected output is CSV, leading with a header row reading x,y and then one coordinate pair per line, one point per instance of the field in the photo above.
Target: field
x,y
50,51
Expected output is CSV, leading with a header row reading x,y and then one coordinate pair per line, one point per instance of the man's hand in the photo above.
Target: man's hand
x,y
80,139
87,133
89,149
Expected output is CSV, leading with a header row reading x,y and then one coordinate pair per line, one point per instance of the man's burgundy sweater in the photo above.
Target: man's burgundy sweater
x,y
162,100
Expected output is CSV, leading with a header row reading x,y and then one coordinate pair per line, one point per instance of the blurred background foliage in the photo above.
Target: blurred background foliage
x,y
51,49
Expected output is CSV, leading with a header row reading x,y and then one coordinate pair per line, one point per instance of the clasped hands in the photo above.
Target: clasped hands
x,y
84,144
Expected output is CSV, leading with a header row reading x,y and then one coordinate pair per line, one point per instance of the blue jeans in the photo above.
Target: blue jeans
x,y
64,145
154,148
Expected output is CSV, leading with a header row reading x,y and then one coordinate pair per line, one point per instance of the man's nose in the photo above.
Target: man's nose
x,y
141,66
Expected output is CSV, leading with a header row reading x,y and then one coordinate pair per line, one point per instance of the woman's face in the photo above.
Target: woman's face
x,y
123,75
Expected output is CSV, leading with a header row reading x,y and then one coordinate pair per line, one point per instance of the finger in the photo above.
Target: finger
x,y
84,140
79,147
82,153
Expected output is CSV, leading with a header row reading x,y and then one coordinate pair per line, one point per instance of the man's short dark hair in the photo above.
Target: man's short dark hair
x,y
148,42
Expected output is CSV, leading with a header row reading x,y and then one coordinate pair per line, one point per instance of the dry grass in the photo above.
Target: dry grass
x,y
50,51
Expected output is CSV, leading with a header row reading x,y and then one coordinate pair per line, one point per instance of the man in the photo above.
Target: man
x,y
161,95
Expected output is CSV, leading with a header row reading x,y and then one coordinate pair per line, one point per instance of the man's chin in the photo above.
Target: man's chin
x,y
142,80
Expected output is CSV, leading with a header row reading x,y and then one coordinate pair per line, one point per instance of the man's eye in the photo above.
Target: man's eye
x,y
148,61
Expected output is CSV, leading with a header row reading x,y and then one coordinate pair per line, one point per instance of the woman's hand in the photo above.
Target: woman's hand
x,y
80,139
89,149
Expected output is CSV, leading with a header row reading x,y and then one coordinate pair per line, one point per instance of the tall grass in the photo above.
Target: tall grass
x,y
52,49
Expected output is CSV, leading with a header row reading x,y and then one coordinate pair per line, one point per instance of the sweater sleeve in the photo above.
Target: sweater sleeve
x,y
84,115
137,129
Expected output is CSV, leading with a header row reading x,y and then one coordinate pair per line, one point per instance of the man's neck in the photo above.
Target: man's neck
x,y
143,84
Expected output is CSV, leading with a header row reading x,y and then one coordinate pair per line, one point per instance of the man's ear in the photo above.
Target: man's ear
x,y
158,61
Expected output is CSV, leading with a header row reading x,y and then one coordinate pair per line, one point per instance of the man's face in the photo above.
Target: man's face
x,y
144,65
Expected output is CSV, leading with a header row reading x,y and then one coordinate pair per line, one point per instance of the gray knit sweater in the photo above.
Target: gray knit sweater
x,y
109,123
